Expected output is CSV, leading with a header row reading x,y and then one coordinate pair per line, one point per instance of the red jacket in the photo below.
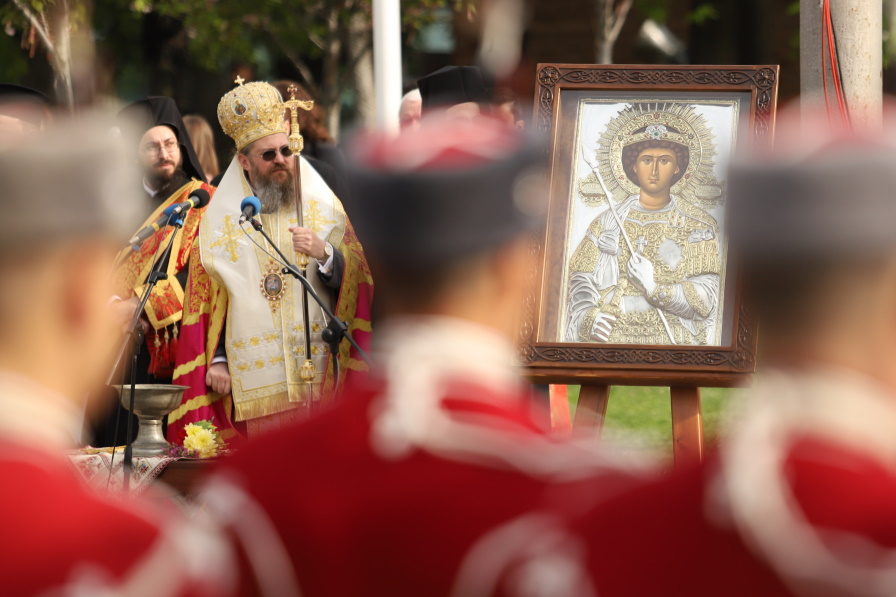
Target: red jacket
x,y
59,538
674,535
360,509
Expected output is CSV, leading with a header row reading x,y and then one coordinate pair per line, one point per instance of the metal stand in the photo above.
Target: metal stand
x,y
133,341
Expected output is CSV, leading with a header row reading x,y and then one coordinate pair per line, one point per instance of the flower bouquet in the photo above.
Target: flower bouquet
x,y
198,440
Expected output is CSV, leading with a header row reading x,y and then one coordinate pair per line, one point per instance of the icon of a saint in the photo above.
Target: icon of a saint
x,y
618,297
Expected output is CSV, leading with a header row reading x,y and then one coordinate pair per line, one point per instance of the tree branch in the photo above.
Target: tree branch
x,y
38,24
621,11
356,55
316,40
300,65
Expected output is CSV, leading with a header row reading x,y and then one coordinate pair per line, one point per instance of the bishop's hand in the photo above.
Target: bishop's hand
x,y
640,271
305,241
218,378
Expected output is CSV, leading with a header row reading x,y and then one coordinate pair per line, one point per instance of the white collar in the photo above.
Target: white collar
x,y
418,356
445,348
149,190
31,414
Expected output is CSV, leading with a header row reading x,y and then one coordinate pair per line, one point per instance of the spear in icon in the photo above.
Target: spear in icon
x,y
591,159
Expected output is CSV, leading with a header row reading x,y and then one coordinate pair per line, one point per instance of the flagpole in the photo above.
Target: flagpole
x,y
387,62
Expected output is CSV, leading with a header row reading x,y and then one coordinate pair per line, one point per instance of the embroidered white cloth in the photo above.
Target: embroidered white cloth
x,y
105,474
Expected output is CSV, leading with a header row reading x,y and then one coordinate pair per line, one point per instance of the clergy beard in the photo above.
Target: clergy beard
x,y
166,185
273,195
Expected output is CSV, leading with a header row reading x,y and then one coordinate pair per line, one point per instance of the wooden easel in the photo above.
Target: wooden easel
x,y
687,419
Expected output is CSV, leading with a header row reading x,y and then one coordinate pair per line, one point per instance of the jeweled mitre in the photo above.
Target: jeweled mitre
x,y
251,111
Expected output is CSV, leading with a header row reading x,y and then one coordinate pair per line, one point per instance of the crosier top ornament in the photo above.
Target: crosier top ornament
x,y
296,142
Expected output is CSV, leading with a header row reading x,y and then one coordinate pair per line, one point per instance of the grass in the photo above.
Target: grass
x,y
639,419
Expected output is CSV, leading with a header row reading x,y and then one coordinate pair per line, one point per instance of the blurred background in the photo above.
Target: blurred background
x,y
193,49
92,52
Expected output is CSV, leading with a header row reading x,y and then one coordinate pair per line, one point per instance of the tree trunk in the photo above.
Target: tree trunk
x,y
61,57
360,56
611,15
55,34
603,45
330,89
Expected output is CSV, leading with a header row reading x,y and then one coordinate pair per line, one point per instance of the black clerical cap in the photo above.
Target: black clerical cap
x,y
450,86
23,103
444,192
137,118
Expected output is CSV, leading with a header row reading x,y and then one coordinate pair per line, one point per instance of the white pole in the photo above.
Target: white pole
x,y
387,62
859,28
858,25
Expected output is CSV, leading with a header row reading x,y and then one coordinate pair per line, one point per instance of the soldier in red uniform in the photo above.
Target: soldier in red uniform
x,y
398,488
800,496
61,199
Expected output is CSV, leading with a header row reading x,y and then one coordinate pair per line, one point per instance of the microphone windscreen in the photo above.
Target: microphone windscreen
x,y
253,201
202,198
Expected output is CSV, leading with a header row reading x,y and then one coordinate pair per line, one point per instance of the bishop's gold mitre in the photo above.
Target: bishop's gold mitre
x,y
251,111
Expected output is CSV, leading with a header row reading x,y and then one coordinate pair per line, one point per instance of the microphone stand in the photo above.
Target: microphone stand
x,y
134,340
336,329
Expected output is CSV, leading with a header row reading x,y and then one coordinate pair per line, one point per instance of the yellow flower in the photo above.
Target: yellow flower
x,y
202,440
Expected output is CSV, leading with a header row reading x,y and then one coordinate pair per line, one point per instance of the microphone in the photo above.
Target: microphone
x,y
250,206
198,198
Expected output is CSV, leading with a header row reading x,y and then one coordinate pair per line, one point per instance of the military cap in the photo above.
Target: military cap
x,y
825,194
69,182
445,191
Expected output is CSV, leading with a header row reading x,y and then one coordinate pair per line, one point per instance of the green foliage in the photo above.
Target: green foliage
x,y
12,16
13,61
658,10
703,13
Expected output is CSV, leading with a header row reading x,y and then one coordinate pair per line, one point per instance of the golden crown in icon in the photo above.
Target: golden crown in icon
x,y
251,111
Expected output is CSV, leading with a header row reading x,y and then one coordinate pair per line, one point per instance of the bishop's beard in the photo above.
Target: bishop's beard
x,y
273,195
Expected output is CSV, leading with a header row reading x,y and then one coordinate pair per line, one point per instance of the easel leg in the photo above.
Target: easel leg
x,y
560,417
591,410
687,426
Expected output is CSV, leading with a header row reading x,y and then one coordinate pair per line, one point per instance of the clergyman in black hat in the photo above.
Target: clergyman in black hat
x,y
171,172
456,91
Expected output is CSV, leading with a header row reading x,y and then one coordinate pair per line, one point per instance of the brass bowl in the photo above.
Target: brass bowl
x,y
152,402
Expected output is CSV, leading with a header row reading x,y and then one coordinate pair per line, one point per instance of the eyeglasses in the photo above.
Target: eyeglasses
x,y
271,154
154,149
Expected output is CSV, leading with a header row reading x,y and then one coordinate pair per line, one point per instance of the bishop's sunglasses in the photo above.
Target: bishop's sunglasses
x,y
271,154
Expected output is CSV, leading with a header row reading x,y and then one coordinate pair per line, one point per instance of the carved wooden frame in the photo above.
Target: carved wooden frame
x,y
623,364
